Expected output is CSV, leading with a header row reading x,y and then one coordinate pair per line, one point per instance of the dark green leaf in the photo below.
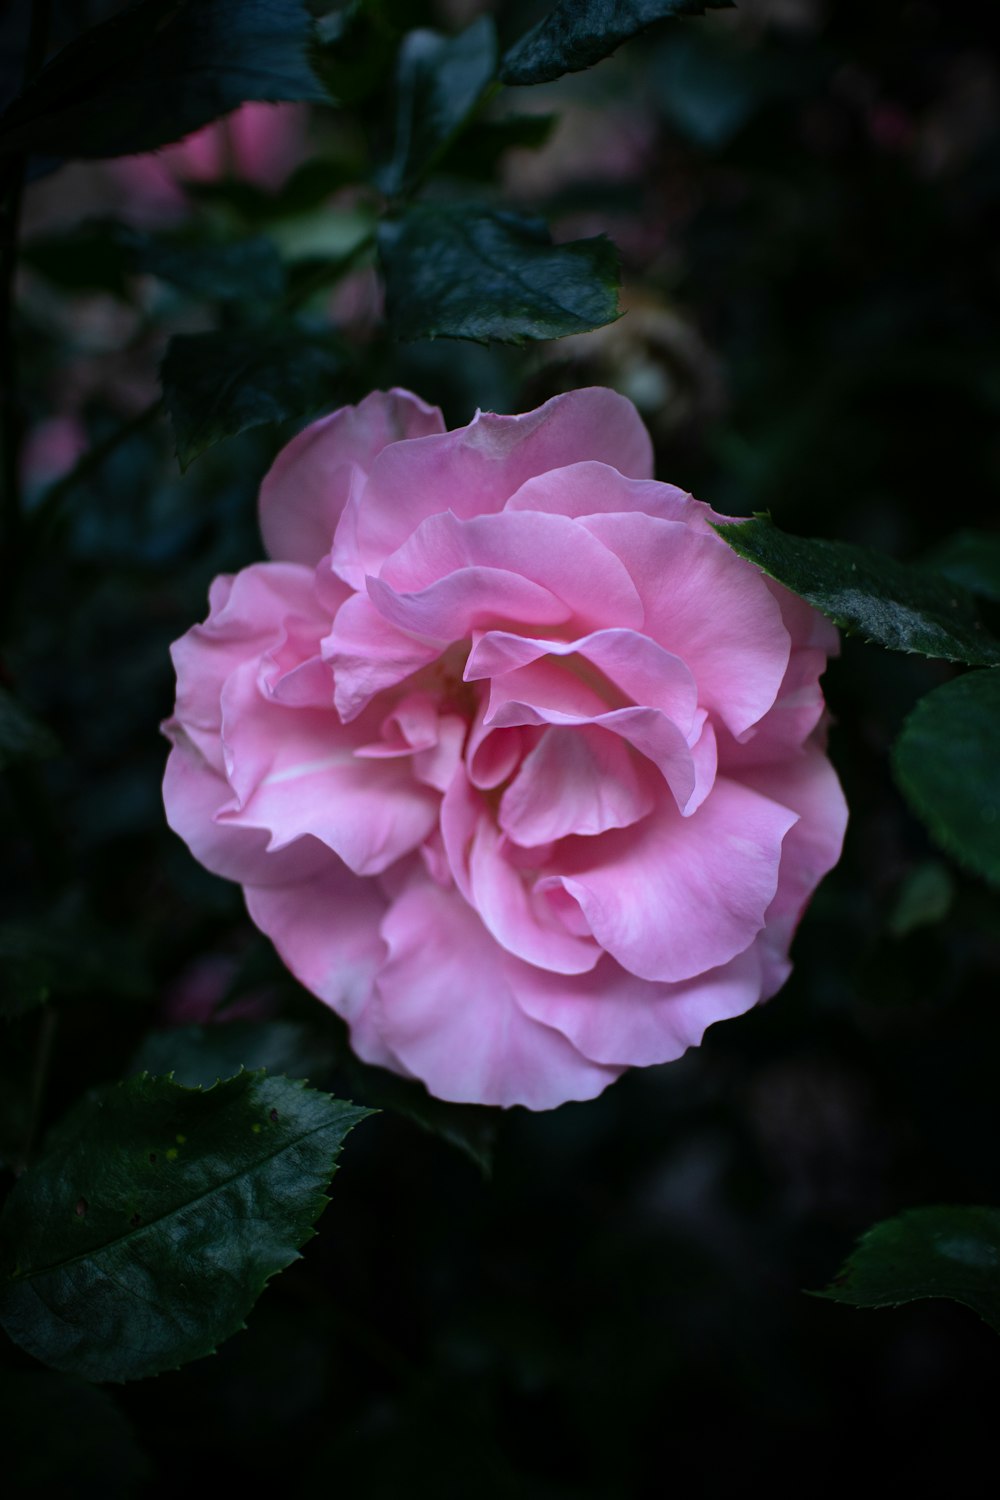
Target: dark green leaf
x,y
102,254
480,273
439,82
243,271
865,592
356,47
64,1437
22,736
148,1229
198,1056
946,762
158,70
578,33
926,1252
971,558
309,186
925,897
218,384
477,151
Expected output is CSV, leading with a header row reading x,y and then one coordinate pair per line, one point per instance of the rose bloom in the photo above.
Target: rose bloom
x,y
520,766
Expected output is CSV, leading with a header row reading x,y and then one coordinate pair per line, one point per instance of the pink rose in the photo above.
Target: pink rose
x,y
518,763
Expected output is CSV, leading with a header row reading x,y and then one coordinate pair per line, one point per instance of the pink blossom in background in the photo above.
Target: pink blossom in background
x,y
258,143
520,766
198,996
50,449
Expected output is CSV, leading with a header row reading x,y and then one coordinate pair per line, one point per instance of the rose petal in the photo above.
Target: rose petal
x,y
641,671
369,655
787,725
194,793
672,897
294,772
587,489
707,606
549,553
546,693
521,921
808,785
248,615
447,1010
580,781
616,1019
309,483
475,469
326,931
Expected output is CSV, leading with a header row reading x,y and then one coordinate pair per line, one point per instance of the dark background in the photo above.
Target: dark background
x,y
807,199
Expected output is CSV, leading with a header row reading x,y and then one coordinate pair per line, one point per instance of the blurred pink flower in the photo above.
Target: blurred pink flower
x,y
258,143
50,449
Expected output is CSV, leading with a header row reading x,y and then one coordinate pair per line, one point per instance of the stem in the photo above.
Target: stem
x,y
326,274
11,515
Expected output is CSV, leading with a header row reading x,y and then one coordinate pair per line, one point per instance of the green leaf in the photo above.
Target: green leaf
x,y
925,898
148,1229
477,151
199,1056
63,1437
22,736
972,559
308,188
926,1252
158,70
888,602
578,33
439,82
946,764
218,384
103,253
245,270
481,273
357,45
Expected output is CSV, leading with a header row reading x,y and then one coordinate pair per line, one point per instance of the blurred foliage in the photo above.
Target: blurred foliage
x,y
805,197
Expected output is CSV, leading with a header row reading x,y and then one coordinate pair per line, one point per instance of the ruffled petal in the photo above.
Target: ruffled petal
x,y
521,921
550,552
707,606
312,478
368,655
294,771
475,469
787,725
193,795
447,1010
579,780
587,489
635,670
672,897
616,1019
326,931
808,785
546,693
248,616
